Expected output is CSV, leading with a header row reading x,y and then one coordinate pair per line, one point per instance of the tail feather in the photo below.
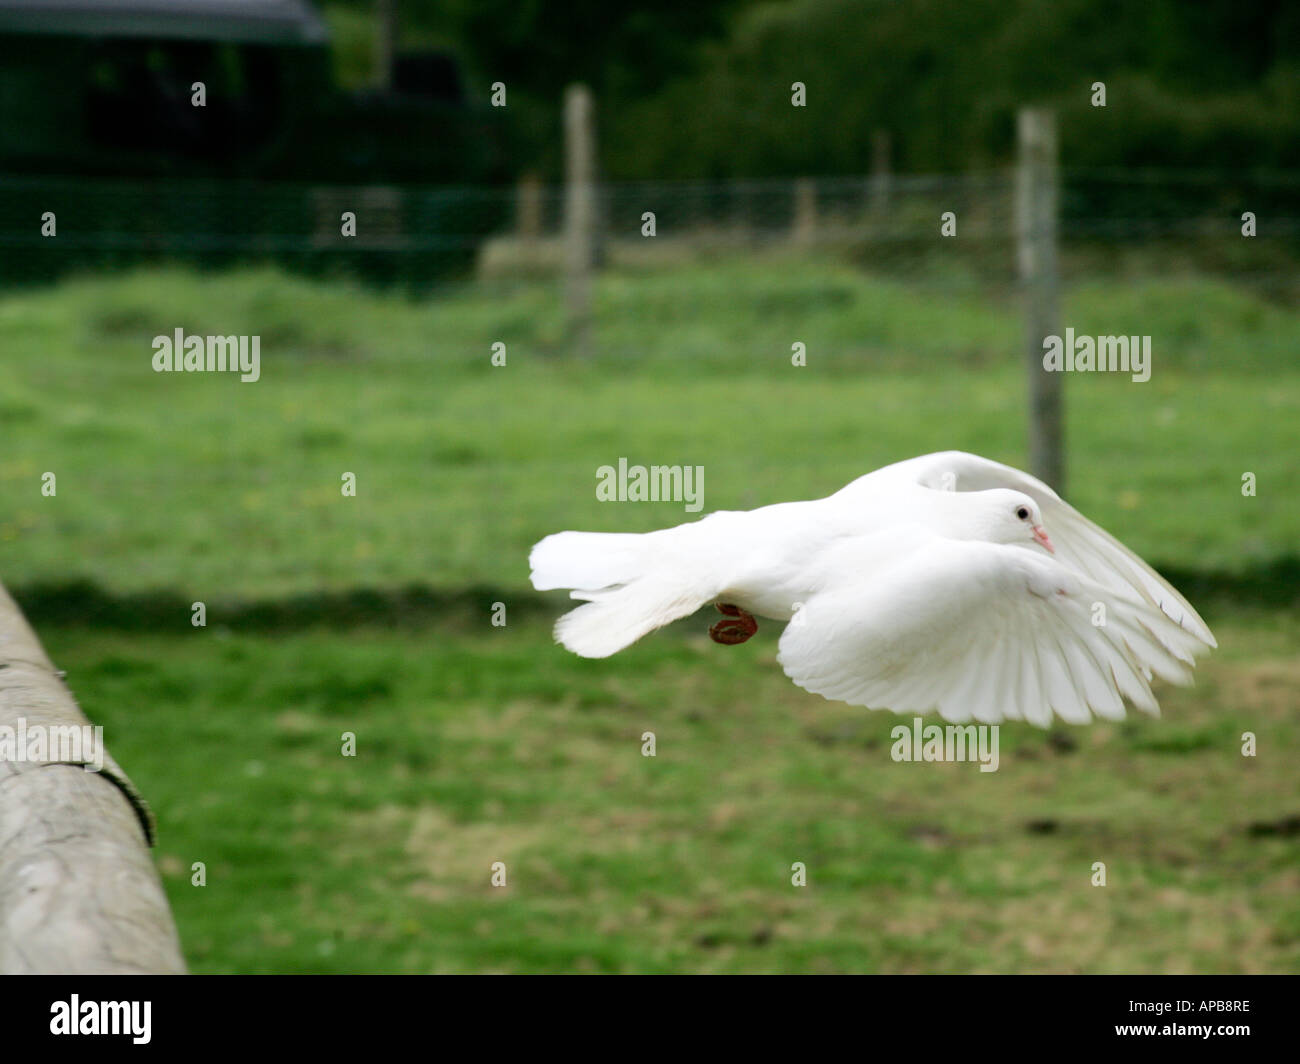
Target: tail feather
x,y
587,560
614,619
631,587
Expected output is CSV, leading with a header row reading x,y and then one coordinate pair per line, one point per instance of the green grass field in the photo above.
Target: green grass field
x,y
478,744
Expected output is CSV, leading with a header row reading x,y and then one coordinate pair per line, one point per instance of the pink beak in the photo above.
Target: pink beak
x,y
1040,534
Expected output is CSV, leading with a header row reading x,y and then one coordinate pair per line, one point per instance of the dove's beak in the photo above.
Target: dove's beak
x,y
1040,534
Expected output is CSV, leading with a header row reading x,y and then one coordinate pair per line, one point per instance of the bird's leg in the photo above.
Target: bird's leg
x,y
738,626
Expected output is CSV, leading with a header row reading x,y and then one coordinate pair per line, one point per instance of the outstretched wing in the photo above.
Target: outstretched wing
x,y
1080,544
979,631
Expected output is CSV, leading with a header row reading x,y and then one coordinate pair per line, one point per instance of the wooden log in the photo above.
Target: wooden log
x,y
79,893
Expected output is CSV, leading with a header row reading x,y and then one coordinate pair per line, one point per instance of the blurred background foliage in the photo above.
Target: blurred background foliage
x,y
701,89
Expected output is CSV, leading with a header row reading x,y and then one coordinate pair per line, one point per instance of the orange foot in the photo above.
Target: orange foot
x,y
739,627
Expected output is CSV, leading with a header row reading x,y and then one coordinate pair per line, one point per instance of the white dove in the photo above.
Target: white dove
x,y
930,584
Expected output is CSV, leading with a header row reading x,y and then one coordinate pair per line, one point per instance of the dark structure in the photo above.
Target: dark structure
x,y
99,125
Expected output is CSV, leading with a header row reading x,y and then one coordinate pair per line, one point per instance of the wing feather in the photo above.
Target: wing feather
x,y
978,631
1080,543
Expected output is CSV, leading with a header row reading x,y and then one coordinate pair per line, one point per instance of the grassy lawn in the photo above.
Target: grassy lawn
x,y
211,487
479,744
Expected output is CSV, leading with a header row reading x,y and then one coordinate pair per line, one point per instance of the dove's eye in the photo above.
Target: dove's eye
x,y
1022,513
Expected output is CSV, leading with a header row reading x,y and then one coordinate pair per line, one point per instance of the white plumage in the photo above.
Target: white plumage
x,y
947,582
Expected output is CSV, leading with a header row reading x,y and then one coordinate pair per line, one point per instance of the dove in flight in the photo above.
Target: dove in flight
x,y
946,583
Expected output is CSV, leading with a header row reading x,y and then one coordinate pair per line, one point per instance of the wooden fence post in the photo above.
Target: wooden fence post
x,y
1037,207
385,43
79,893
528,208
881,171
804,230
580,209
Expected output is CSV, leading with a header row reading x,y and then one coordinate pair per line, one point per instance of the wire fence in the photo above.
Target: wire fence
x,y
909,226
398,233
249,495
420,236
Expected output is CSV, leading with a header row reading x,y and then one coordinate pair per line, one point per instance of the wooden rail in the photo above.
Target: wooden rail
x,y
78,890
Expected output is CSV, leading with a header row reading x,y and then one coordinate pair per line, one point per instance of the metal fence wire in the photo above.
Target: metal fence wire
x,y
420,236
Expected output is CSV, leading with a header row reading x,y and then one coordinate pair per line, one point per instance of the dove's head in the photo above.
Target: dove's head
x,y
1013,517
